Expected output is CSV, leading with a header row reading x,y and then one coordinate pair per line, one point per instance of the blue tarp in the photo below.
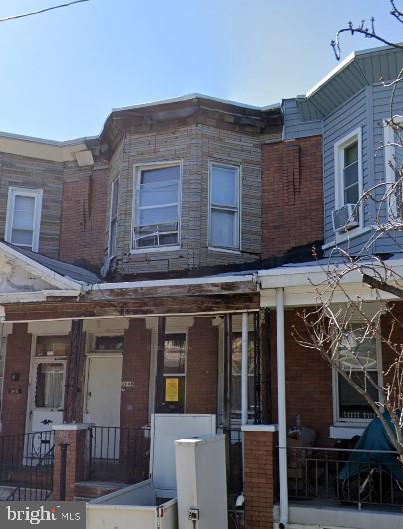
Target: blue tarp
x,y
373,438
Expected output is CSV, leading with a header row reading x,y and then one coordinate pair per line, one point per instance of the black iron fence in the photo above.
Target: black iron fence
x,y
119,454
329,475
26,466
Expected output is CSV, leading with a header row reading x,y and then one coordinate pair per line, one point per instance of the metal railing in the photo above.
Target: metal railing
x,y
26,465
331,475
119,454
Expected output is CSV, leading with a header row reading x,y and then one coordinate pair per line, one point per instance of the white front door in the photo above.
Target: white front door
x,y
104,390
103,404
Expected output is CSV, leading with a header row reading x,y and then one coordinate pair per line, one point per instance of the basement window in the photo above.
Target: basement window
x,y
224,193
23,219
156,215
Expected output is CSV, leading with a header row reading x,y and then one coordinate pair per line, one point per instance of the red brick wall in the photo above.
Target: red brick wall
x,y
259,479
292,195
76,462
308,381
136,368
84,214
202,365
18,358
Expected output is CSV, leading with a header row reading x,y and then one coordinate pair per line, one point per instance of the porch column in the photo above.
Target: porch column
x,y
71,461
282,422
73,398
260,442
244,369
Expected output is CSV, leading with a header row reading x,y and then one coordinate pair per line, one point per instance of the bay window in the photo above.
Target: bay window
x,y
224,200
156,211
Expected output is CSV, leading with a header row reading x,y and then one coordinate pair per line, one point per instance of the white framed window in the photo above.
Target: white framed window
x,y
358,357
156,207
23,219
348,173
113,223
224,206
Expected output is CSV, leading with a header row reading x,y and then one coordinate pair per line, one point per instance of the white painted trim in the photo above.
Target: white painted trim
x,y
156,249
351,234
37,195
259,428
137,168
345,431
43,272
174,282
389,151
223,250
238,212
339,146
244,369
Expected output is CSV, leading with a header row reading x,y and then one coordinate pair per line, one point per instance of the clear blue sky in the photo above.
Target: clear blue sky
x,y
63,71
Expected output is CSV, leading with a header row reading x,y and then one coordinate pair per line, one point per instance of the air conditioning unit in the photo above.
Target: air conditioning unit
x,y
345,218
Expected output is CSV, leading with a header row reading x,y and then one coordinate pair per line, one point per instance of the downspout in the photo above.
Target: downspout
x,y
282,426
244,370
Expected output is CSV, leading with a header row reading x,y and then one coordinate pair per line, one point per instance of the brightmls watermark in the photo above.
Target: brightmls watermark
x,y
31,514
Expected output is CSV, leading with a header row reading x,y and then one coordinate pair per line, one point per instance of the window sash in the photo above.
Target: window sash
x,y
24,233
113,217
157,233
220,207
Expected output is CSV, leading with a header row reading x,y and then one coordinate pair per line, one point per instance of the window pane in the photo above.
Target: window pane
x,y
351,195
355,351
175,354
24,203
154,194
115,198
49,386
23,220
351,404
160,175
52,345
109,343
351,154
351,175
224,183
236,372
223,228
22,237
158,215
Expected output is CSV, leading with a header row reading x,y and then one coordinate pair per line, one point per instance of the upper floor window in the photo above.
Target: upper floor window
x,y
348,182
156,212
224,201
113,217
24,208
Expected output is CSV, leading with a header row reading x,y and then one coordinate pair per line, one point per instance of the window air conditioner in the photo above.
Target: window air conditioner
x,y
345,218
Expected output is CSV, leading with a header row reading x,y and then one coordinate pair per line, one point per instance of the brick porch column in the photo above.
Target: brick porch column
x,y
259,474
72,440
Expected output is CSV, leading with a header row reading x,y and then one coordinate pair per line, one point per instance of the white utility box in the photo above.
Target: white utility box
x,y
201,482
152,503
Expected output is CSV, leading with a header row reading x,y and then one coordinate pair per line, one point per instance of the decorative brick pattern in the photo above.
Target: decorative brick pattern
x,y
292,195
259,479
202,365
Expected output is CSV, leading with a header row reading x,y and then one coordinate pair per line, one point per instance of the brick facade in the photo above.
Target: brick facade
x,y
15,392
259,478
292,195
202,365
83,220
136,368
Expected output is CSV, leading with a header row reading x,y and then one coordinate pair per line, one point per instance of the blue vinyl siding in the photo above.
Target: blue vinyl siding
x,y
294,125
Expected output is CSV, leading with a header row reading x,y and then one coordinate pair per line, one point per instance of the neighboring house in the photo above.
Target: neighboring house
x,y
340,123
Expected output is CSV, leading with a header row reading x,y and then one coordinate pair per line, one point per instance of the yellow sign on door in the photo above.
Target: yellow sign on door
x,y
171,389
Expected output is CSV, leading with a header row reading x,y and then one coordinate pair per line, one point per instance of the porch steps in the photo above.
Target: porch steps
x,y
31,475
89,490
